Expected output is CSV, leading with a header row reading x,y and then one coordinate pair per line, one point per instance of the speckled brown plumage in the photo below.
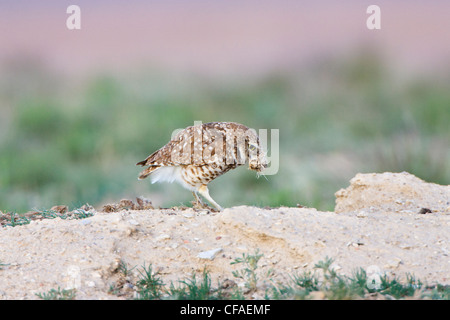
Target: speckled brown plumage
x,y
201,153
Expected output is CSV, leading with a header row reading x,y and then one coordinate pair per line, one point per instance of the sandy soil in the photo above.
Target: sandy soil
x,y
393,221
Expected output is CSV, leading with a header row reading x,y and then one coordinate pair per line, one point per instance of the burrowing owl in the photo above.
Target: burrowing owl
x,y
200,153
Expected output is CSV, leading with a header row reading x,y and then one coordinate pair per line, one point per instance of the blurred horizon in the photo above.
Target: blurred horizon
x,y
78,108
217,38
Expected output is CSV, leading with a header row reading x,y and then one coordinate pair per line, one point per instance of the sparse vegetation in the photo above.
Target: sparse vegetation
x,y
14,219
324,283
249,271
17,220
149,286
2,265
192,289
58,294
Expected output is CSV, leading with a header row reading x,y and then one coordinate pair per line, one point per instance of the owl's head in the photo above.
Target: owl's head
x,y
257,158
254,152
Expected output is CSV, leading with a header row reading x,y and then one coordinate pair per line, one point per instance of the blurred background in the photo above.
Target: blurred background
x,y
78,108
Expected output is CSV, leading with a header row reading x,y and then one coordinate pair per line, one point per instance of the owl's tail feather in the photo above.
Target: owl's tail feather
x,y
144,174
142,163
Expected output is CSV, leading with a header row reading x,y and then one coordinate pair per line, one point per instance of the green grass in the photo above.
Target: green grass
x,y
58,294
14,219
194,289
248,272
149,286
2,265
324,282
68,144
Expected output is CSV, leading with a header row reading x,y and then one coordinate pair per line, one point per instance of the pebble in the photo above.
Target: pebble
x,y
162,237
335,267
85,222
362,214
133,222
392,264
210,254
316,295
355,243
188,215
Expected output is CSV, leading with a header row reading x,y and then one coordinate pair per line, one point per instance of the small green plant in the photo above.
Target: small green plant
x,y
335,286
2,265
397,290
191,290
17,220
306,281
438,292
149,286
123,282
58,294
50,214
81,214
248,272
123,268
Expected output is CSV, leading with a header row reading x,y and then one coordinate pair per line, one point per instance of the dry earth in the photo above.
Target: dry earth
x,y
393,221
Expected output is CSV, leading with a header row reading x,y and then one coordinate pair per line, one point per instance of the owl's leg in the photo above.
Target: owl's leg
x,y
203,190
199,202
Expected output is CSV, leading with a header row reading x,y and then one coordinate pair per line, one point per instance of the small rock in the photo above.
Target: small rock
x,y
163,237
60,209
87,207
244,288
392,264
133,222
127,287
362,214
227,284
316,295
210,254
126,204
355,243
143,203
335,267
85,222
320,243
109,208
425,211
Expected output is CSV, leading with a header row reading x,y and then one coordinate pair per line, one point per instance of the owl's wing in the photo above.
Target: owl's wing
x,y
175,152
199,145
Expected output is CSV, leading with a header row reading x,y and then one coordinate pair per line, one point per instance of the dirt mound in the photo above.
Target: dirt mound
x,y
86,253
392,192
